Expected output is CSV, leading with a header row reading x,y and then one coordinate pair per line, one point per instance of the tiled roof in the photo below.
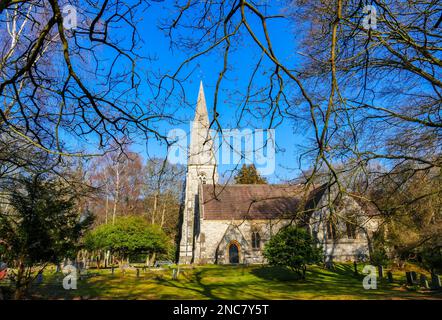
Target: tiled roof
x,y
265,201
251,201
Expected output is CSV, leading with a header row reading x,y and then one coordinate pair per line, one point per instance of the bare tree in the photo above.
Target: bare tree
x,y
65,75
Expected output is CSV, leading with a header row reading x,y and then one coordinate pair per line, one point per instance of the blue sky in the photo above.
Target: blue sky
x,y
292,137
207,68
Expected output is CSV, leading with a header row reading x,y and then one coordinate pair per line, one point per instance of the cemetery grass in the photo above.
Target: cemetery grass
x,y
228,282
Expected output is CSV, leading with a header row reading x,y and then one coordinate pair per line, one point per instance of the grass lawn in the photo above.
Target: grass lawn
x,y
228,282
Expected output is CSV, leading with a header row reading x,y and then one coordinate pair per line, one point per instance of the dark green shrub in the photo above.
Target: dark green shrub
x,y
294,248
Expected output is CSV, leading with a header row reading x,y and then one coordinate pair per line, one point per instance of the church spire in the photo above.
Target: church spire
x,y
201,169
201,114
201,143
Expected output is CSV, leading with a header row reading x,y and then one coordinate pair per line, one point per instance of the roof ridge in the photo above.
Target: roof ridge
x,y
256,184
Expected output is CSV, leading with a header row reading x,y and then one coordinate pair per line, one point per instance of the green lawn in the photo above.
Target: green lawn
x,y
229,282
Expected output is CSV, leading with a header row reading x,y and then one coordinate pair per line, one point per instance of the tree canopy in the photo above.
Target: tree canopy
x,y
128,236
42,226
249,175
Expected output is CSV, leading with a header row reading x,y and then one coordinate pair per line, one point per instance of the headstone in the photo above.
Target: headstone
x,y
381,272
175,274
414,276
423,281
390,276
435,281
355,266
39,278
409,278
329,265
83,273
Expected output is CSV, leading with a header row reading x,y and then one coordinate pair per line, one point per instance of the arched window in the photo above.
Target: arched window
x,y
234,252
256,240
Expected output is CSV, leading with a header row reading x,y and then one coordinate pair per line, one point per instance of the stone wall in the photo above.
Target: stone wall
x,y
343,248
214,237
212,243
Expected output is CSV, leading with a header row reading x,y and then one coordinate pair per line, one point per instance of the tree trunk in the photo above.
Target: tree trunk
x,y
19,291
163,213
107,202
152,261
155,204
117,194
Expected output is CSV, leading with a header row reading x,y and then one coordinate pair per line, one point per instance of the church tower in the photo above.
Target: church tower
x,y
201,169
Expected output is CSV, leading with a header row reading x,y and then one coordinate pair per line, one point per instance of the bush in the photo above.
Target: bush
x,y
432,259
294,248
379,257
127,237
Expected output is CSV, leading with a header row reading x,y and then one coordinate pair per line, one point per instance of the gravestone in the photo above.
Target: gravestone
x,y
409,278
435,281
414,276
329,265
423,281
381,272
159,264
390,276
83,273
355,266
175,274
39,278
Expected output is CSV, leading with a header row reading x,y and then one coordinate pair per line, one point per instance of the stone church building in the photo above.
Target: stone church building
x,y
226,224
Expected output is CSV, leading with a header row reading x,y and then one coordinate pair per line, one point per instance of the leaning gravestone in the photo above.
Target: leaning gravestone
x,y
435,281
390,276
423,281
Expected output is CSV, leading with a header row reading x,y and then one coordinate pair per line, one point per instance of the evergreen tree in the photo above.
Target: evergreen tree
x,y
128,236
294,248
41,226
249,175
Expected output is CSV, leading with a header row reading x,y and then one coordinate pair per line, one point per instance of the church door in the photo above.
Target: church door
x,y
233,253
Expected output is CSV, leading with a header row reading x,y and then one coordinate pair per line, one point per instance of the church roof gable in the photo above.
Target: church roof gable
x,y
238,202
263,201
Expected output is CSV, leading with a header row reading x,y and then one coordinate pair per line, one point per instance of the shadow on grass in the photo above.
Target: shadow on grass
x,y
226,282
276,273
